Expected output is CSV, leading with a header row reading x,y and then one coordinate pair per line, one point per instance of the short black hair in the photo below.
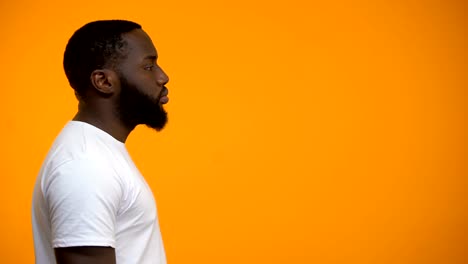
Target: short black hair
x,y
96,45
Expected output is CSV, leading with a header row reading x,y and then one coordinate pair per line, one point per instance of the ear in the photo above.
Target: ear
x,y
105,81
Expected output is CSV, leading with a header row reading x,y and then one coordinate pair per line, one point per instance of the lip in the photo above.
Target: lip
x,y
163,99
165,92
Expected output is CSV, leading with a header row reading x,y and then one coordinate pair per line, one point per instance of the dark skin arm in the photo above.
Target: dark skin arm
x,y
85,255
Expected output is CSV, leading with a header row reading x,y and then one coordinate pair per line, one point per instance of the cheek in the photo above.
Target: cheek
x,y
153,90
151,86
147,84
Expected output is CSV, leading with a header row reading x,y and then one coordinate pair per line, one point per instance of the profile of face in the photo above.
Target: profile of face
x,y
142,84
138,108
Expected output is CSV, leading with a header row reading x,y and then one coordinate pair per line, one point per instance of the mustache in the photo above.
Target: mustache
x,y
163,92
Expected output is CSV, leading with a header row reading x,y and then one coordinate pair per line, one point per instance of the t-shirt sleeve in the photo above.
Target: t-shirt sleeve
x,y
83,198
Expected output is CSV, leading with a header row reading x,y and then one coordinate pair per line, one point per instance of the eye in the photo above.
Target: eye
x,y
149,67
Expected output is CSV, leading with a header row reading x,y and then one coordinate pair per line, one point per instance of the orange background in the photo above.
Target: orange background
x,y
300,131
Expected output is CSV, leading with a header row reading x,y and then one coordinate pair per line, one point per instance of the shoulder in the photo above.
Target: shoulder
x,y
81,144
82,175
83,159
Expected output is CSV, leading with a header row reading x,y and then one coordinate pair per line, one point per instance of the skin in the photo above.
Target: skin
x,y
82,255
141,70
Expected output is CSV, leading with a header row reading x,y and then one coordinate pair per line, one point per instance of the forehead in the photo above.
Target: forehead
x,y
138,45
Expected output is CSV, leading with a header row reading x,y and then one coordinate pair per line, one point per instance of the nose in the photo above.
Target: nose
x,y
162,77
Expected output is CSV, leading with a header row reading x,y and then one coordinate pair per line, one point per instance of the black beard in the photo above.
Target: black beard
x,y
135,108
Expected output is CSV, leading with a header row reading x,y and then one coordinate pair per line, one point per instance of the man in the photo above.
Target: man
x,y
90,203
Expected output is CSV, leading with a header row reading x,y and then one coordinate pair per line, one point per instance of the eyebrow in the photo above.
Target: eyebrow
x,y
150,57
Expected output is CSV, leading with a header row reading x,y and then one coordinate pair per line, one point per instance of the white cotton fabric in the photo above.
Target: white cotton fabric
x,y
90,193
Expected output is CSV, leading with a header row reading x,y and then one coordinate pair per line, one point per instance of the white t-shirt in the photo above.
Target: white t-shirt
x,y
90,193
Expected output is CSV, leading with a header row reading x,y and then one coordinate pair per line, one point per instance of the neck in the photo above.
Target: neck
x,y
104,119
